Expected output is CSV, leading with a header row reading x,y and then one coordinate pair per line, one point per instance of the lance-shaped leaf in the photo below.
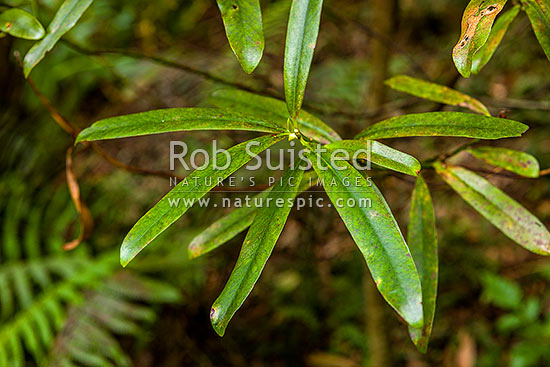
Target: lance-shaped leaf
x,y
301,38
64,20
457,124
511,160
435,92
224,228
174,204
422,239
482,57
243,25
538,12
234,223
21,24
379,154
256,249
174,119
477,21
274,110
498,208
375,231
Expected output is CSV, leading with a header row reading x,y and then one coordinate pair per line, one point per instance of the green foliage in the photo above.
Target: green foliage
x,y
243,24
479,39
177,119
377,235
65,19
523,317
405,272
273,110
538,12
484,54
498,208
422,239
518,162
477,21
173,205
65,308
457,124
379,154
436,93
301,38
227,227
257,246
19,23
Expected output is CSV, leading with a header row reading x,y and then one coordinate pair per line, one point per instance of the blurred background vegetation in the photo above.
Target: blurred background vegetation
x,y
312,305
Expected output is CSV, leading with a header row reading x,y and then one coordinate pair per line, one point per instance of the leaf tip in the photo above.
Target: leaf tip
x,y
193,251
126,255
217,324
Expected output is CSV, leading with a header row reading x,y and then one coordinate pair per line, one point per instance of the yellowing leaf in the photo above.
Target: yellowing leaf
x,y
538,12
435,92
498,208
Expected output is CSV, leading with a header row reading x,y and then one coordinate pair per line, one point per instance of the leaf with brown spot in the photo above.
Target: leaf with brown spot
x,y
476,25
242,20
503,212
19,23
520,163
484,54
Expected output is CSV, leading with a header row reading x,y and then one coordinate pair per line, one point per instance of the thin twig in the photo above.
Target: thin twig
x,y
168,63
441,157
271,91
71,130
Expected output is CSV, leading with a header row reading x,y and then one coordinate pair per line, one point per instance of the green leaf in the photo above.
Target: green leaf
x,y
174,204
511,160
224,229
234,223
273,110
457,124
482,57
174,119
498,208
243,25
502,292
422,239
21,24
375,231
435,92
301,38
64,20
538,12
256,249
477,21
379,154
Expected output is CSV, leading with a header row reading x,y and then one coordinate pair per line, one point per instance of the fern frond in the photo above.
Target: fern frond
x,y
64,308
